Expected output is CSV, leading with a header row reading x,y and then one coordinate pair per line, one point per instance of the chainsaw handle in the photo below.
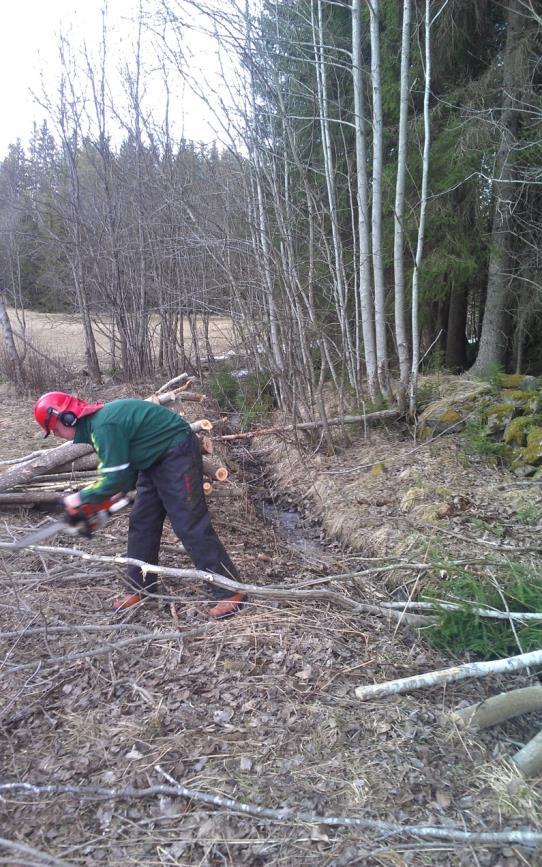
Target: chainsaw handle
x,y
89,517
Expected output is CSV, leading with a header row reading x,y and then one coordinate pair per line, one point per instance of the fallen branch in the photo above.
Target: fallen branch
x,y
29,498
447,675
226,583
436,606
175,790
499,708
63,455
106,649
311,425
529,759
43,858
206,445
74,475
193,396
182,377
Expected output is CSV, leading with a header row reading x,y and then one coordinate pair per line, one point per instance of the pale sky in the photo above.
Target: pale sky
x,y
29,47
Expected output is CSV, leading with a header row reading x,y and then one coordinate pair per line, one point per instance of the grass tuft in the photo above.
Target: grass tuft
x,y
465,631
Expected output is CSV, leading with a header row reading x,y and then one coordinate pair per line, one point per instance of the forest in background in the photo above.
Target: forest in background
x,y
373,209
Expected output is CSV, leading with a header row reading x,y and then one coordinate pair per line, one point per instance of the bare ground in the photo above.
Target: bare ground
x,y
260,709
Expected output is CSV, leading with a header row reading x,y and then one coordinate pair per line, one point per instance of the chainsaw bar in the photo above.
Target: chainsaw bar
x,y
45,533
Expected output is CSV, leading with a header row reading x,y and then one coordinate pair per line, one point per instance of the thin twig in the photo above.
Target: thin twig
x,y
286,814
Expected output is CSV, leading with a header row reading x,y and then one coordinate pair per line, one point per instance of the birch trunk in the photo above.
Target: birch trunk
x,y
423,207
274,336
338,274
448,675
398,240
9,341
365,283
378,267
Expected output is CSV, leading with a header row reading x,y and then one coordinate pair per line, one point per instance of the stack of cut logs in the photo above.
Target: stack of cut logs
x,y
40,478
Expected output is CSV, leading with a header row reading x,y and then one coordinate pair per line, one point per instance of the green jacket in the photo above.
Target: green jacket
x,y
128,435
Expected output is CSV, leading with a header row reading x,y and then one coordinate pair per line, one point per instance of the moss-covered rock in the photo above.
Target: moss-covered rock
x,y
519,381
516,430
525,401
497,416
532,453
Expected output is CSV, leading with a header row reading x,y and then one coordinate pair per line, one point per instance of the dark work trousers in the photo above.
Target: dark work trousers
x,y
173,486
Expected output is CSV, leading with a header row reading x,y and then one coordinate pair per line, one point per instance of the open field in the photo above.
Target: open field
x,y
61,335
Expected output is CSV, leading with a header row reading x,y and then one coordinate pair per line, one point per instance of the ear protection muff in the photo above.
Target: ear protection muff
x,y
67,418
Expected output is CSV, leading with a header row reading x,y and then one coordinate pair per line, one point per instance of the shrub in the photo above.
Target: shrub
x,y
479,441
251,396
40,373
224,387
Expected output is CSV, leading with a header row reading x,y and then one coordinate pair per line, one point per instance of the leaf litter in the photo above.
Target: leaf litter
x,y
260,708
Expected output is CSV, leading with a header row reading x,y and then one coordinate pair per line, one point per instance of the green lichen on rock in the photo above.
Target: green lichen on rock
x,y
497,416
516,430
497,410
450,416
511,380
525,401
519,381
516,394
532,453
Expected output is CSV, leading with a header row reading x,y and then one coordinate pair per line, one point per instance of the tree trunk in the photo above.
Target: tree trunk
x,y
423,208
495,326
11,349
399,232
378,267
365,282
456,347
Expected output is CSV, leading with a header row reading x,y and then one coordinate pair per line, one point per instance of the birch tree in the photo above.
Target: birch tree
x,y
399,212
423,207
376,222
365,282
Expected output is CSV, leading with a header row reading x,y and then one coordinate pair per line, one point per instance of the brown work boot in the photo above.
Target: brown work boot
x,y
128,601
227,607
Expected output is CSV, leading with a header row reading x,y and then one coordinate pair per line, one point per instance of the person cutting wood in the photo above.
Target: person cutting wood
x,y
145,446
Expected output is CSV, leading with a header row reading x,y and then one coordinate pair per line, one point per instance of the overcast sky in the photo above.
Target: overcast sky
x,y
28,48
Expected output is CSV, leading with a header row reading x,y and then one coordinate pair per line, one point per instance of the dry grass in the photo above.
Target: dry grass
x,y
61,335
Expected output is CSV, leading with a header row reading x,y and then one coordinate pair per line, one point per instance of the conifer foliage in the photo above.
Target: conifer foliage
x,y
374,208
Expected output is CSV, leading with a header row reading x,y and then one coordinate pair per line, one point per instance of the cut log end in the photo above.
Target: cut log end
x,y
207,489
202,424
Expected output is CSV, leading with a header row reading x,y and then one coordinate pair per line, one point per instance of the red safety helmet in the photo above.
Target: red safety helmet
x,y
65,407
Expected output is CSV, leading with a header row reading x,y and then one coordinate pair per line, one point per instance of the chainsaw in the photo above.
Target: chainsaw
x,y
88,518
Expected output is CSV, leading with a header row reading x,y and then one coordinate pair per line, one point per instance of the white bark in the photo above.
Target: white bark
x,y
9,342
423,207
398,241
338,276
263,232
447,675
365,282
378,267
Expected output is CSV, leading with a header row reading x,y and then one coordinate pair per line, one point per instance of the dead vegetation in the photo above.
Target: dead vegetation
x,y
261,710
